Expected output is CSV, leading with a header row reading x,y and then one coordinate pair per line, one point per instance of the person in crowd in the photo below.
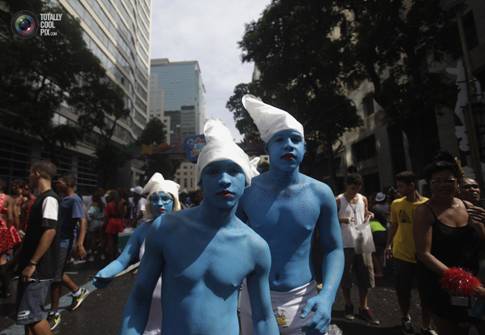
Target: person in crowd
x,y
381,208
139,204
16,187
446,238
392,194
72,214
354,217
37,258
470,191
379,236
95,216
26,205
285,207
400,246
200,284
162,198
9,238
114,212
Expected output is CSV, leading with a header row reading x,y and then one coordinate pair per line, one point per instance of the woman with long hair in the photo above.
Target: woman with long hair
x,y
162,198
447,245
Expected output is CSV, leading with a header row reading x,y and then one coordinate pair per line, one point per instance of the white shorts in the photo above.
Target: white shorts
x,y
287,307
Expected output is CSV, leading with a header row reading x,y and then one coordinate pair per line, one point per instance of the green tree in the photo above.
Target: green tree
x,y
154,132
41,75
400,47
299,60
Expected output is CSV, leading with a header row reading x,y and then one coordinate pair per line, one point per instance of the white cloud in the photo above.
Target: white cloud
x,y
206,31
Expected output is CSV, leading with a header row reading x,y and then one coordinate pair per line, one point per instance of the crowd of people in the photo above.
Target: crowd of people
x,y
250,264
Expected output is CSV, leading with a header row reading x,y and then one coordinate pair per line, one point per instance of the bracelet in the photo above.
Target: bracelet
x,y
31,262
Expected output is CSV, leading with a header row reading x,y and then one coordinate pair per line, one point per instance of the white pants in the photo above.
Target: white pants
x,y
287,307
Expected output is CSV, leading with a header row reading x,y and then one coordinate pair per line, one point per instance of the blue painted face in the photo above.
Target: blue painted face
x,y
286,150
160,203
223,183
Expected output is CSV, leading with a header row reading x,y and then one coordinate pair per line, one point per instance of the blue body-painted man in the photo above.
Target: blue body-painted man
x,y
162,198
204,253
284,207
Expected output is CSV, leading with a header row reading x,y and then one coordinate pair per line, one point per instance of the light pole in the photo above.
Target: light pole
x,y
456,6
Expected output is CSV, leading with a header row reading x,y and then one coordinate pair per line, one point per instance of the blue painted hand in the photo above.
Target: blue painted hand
x,y
322,309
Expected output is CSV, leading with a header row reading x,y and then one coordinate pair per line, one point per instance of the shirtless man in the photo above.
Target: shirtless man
x,y
284,207
204,253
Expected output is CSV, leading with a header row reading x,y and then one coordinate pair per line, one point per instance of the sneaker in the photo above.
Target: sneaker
x,y
77,300
366,315
54,320
349,312
428,331
407,326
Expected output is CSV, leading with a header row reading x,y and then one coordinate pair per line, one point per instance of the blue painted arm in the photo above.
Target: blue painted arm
x,y
264,322
137,308
127,257
332,265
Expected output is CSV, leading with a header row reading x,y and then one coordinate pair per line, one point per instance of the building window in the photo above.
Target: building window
x,y
364,149
368,105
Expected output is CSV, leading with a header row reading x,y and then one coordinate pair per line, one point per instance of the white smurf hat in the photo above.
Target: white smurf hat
x,y
269,119
158,184
220,146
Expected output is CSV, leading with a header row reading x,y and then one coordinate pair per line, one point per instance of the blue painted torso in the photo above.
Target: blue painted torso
x,y
286,220
201,276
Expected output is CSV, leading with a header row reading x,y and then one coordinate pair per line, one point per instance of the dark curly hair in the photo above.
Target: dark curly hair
x,y
443,161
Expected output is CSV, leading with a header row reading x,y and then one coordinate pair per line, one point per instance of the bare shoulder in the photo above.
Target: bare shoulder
x,y
253,240
320,189
423,213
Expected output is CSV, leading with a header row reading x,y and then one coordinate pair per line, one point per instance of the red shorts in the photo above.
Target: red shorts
x,y
114,226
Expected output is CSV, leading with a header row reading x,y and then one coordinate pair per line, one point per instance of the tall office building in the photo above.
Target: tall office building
x,y
181,99
118,33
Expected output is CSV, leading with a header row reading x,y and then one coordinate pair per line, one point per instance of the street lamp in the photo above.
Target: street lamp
x,y
457,6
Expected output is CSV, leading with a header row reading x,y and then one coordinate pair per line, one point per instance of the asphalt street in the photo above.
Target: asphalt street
x,y
101,312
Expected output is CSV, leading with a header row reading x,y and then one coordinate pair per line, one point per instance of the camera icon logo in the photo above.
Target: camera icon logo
x,y
25,24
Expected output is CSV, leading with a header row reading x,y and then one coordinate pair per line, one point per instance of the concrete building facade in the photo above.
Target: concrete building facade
x,y
379,151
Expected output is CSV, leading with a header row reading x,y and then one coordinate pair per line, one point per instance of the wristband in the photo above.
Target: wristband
x,y
31,262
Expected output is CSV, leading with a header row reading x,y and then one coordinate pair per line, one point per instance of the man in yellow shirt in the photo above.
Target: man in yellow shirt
x,y
400,245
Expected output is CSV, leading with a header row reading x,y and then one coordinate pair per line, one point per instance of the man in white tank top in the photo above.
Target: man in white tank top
x,y
354,219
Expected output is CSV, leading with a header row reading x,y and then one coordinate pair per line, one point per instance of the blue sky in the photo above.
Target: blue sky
x,y
207,31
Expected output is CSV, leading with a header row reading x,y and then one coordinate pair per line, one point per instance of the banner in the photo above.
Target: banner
x,y
192,147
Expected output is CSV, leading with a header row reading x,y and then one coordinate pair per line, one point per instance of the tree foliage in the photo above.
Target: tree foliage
x,y
41,75
401,47
154,132
311,54
299,64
